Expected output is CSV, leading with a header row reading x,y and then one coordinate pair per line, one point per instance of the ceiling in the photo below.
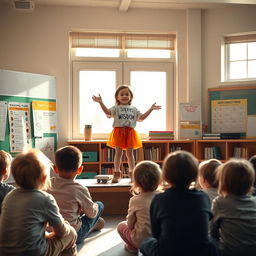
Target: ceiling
x,y
125,5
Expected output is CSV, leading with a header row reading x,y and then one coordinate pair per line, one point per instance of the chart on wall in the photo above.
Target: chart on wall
x,y
233,110
28,112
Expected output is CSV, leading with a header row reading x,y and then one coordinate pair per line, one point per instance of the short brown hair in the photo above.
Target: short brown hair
x,y
5,161
180,168
68,158
146,175
208,170
121,87
252,160
236,177
29,167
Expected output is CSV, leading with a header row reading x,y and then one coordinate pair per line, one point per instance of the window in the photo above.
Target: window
x,y
99,70
241,57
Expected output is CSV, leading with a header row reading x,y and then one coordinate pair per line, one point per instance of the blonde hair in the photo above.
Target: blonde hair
x,y
29,169
180,168
236,177
208,170
5,161
146,176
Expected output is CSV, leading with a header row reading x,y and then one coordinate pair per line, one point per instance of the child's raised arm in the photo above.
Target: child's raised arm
x,y
146,114
104,108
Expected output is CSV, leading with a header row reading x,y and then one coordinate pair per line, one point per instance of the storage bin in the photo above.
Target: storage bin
x,y
90,156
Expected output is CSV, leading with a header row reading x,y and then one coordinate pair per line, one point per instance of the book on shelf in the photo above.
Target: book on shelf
x,y
211,136
212,152
161,135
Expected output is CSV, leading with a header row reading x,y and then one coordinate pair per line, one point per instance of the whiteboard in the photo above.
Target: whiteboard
x,y
24,84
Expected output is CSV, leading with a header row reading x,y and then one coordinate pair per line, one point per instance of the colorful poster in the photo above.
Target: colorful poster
x,y
190,131
3,119
44,117
229,116
20,129
46,145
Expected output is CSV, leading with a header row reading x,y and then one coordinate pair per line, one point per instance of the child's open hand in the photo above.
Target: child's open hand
x,y
155,107
97,98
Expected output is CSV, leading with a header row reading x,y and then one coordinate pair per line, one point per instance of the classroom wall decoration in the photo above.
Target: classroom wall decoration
x,y
233,109
27,112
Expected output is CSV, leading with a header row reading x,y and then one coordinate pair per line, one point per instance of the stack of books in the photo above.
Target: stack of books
x,y
161,135
211,136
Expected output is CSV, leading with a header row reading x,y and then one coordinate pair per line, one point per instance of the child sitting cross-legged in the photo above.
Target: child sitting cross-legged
x,y
146,178
5,166
74,200
27,210
180,215
234,212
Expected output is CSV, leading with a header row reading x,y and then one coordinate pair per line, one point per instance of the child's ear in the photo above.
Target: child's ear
x,y
79,170
4,174
55,168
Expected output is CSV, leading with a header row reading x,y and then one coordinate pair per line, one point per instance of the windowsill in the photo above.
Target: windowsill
x,y
238,82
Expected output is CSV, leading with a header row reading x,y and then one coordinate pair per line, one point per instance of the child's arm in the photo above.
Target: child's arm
x,y
147,113
131,217
104,108
59,230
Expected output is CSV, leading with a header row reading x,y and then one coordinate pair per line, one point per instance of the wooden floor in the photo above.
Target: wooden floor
x,y
106,242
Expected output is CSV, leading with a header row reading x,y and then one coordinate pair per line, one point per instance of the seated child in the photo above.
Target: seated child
x,y
5,165
27,210
146,178
180,215
74,200
207,177
234,211
252,160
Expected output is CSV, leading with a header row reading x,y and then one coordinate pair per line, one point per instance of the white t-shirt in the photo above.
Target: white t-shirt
x,y
124,115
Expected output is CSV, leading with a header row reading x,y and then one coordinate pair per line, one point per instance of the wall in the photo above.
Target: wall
x,y
37,42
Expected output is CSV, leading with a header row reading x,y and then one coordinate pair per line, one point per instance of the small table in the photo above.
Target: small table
x,y
115,196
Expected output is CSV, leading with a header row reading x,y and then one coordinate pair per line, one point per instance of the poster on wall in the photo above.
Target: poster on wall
x,y
3,119
229,116
190,112
44,117
20,129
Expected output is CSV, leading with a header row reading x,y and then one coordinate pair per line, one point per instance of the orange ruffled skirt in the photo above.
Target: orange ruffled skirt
x,y
124,138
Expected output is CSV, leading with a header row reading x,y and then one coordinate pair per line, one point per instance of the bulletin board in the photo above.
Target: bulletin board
x,y
243,95
25,87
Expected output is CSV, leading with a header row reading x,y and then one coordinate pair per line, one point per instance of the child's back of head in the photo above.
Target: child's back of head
x,y
207,172
5,163
236,177
180,168
68,159
252,160
146,176
31,169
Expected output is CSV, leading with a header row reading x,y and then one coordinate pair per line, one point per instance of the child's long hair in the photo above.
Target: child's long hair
x,y
29,169
121,87
5,161
180,168
68,158
146,177
208,170
236,177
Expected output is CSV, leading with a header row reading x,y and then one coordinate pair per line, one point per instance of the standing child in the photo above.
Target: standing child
x,y
5,165
27,210
74,200
180,215
146,176
207,177
252,160
234,211
124,136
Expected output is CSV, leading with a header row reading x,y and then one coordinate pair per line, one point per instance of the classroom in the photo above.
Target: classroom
x,y
41,40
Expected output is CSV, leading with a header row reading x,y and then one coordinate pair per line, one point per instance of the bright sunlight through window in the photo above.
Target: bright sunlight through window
x,y
97,52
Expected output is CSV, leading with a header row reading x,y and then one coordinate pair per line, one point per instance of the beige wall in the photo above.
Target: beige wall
x,y
38,43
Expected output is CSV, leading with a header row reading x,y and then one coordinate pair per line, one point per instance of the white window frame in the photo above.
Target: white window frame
x,y
85,63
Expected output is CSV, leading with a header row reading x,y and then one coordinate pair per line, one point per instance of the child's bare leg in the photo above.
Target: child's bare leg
x,y
130,160
117,163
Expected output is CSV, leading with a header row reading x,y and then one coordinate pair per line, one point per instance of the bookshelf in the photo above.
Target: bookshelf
x,y
226,149
154,150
